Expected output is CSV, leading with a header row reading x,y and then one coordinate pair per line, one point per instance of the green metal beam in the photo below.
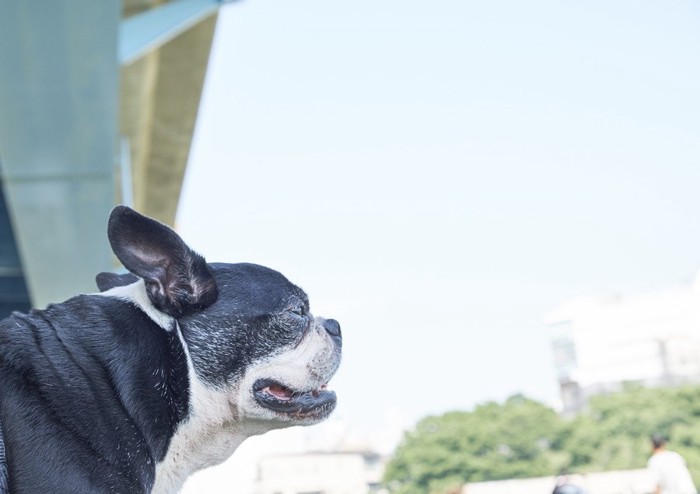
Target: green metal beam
x,y
58,128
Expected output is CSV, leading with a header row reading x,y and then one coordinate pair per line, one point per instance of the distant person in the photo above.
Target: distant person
x,y
669,470
564,486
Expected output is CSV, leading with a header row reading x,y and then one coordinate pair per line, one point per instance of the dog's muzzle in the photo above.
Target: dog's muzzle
x,y
315,402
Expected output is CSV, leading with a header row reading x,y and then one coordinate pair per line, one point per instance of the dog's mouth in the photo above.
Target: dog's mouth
x,y
311,404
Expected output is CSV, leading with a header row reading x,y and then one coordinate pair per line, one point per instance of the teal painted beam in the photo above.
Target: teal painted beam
x,y
58,138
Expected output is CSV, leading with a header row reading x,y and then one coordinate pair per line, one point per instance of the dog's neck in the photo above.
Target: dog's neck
x,y
210,433
209,436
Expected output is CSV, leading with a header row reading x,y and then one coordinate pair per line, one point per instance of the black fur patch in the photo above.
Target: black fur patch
x,y
93,381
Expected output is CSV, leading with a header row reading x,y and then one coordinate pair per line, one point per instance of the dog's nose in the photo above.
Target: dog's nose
x,y
332,327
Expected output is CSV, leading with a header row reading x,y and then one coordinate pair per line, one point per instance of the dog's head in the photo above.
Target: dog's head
x,y
249,332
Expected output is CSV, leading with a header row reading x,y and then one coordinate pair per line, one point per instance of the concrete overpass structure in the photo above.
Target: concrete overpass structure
x,y
98,105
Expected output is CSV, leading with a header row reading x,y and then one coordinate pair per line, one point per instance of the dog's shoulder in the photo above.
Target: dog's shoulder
x,y
86,324
82,366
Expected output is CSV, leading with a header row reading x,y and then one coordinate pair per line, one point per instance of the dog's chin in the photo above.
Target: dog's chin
x,y
292,406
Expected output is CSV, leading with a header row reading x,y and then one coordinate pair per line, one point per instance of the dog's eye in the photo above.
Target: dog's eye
x,y
298,311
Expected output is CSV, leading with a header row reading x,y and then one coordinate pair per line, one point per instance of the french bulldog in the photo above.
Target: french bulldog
x,y
164,372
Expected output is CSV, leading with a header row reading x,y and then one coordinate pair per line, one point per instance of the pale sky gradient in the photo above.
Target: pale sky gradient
x,y
438,175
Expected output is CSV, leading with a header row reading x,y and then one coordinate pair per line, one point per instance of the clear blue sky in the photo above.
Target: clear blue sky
x,y
438,175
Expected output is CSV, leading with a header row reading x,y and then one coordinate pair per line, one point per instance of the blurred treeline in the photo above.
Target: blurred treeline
x,y
524,438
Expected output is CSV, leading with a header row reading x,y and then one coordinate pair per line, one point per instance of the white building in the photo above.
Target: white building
x,y
599,344
320,473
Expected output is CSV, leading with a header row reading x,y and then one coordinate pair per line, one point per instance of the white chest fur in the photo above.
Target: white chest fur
x,y
196,445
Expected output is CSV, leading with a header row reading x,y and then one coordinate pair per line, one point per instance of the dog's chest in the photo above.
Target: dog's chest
x,y
191,450
208,437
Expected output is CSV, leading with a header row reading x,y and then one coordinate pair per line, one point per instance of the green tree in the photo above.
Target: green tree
x,y
613,433
524,438
520,438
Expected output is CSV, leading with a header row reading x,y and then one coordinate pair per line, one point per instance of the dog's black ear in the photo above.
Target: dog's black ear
x,y
178,280
107,280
